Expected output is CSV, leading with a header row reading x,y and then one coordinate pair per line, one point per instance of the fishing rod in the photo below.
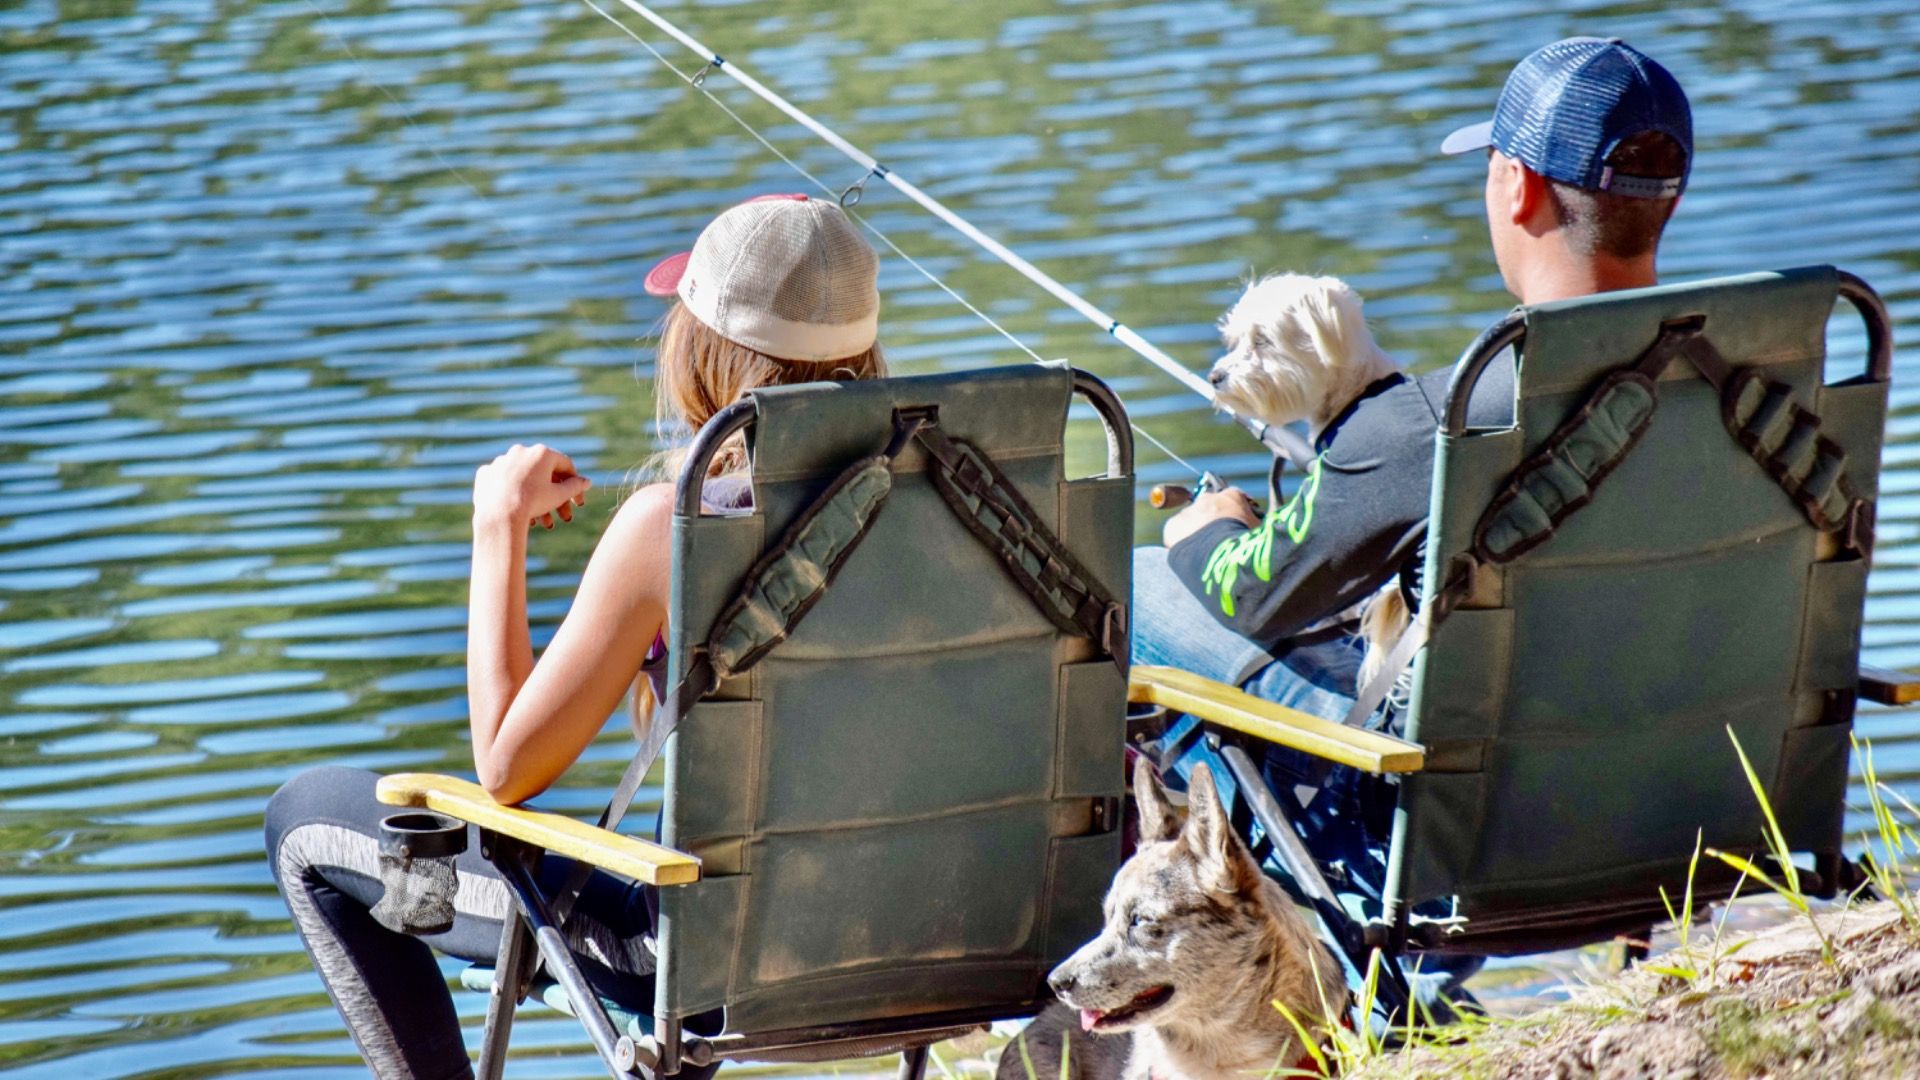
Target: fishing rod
x,y
1280,440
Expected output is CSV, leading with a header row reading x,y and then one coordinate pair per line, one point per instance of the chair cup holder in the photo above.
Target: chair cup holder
x,y
417,853
422,834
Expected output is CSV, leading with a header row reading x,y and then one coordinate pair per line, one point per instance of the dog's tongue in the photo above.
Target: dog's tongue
x,y
1090,1017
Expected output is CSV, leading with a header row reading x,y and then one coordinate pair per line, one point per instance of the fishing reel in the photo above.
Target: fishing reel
x,y
1175,496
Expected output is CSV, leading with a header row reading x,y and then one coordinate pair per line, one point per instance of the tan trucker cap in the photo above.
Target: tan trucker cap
x,y
785,275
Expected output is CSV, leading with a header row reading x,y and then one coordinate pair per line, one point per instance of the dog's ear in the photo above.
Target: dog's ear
x,y
1158,820
1225,865
1335,322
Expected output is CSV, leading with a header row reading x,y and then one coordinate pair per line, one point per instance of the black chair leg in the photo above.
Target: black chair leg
x,y
1842,877
913,1063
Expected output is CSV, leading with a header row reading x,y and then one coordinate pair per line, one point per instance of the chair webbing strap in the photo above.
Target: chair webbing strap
x,y
1562,476
1779,433
993,510
776,594
1761,414
792,575
1785,438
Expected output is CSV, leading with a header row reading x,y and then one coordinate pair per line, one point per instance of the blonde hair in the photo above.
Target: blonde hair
x,y
697,373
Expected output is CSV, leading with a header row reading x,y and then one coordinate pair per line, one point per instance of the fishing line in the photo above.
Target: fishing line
x,y
406,116
696,81
1280,440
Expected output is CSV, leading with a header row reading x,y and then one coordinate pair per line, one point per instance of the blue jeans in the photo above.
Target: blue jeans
x,y
1172,627
1330,805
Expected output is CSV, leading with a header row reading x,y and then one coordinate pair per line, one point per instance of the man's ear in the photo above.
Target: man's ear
x,y
1528,196
1158,820
1507,196
1225,865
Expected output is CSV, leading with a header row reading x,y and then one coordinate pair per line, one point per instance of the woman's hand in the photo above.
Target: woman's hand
x,y
530,484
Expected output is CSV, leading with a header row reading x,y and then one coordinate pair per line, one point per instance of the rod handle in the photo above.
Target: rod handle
x,y
1169,496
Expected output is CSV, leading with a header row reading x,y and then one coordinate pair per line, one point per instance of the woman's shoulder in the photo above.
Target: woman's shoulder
x,y
644,515
648,512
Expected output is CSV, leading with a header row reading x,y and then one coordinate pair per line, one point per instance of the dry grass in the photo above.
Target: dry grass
x,y
1833,993
1771,1005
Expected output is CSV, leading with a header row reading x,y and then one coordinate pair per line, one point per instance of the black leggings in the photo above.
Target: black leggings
x,y
323,845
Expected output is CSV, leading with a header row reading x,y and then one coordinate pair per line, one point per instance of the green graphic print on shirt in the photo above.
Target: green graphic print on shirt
x,y
1255,546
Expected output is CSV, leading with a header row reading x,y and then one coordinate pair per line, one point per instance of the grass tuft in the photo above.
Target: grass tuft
x,y
1814,1001
1789,884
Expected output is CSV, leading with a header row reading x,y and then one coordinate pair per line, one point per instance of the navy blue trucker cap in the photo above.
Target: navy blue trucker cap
x,y
1568,104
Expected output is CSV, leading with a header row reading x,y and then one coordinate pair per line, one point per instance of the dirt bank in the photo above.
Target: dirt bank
x,y
1762,1005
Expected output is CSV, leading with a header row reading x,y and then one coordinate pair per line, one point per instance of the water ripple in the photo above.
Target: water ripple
x,y
257,334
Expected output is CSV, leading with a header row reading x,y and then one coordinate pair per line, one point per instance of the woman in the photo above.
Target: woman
x,y
777,290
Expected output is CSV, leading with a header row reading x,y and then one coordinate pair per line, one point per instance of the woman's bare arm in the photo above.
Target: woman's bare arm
x,y
593,657
499,650
530,720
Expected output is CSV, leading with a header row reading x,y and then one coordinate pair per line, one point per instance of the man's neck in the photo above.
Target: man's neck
x,y
1570,276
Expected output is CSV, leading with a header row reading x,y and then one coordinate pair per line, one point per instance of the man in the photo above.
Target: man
x,y
1587,153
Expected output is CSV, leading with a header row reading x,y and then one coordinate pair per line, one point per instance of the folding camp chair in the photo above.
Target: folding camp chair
x,y
1670,540
893,757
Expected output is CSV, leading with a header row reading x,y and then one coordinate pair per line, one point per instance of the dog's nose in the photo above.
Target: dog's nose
x,y
1216,376
1062,982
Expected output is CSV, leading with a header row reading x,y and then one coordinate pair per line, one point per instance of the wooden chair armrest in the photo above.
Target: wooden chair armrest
x,y
1888,687
468,801
1231,707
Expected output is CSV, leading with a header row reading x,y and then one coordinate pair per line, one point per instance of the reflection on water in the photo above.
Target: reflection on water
x,y
278,275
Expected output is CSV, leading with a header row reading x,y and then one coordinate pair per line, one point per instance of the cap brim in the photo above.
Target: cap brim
x,y
664,278
1472,137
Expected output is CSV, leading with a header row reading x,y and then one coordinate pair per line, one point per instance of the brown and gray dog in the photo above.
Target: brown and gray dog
x,y
1198,945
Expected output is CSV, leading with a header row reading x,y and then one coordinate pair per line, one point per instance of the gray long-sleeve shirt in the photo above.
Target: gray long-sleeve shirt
x,y
1357,517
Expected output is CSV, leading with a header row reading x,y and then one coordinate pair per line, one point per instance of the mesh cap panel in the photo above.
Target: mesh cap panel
x,y
1567,105
790,277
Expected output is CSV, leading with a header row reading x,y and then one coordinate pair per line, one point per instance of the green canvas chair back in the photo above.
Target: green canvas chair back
x,y
910,804
1575,705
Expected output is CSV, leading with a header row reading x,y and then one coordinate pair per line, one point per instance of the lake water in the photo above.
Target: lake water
x,y
276,276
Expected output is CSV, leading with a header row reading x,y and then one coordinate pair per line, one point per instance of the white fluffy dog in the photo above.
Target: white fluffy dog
x,y
1298,348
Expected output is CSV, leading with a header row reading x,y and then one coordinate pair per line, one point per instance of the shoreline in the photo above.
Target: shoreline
x,y
1763,1003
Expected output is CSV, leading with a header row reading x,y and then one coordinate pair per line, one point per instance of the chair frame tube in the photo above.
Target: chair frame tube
x,y
714,434
1513,329
1113,417
511,968
935,1027
1392,989
740,415
1473,362
514,867
532,923
1873,311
